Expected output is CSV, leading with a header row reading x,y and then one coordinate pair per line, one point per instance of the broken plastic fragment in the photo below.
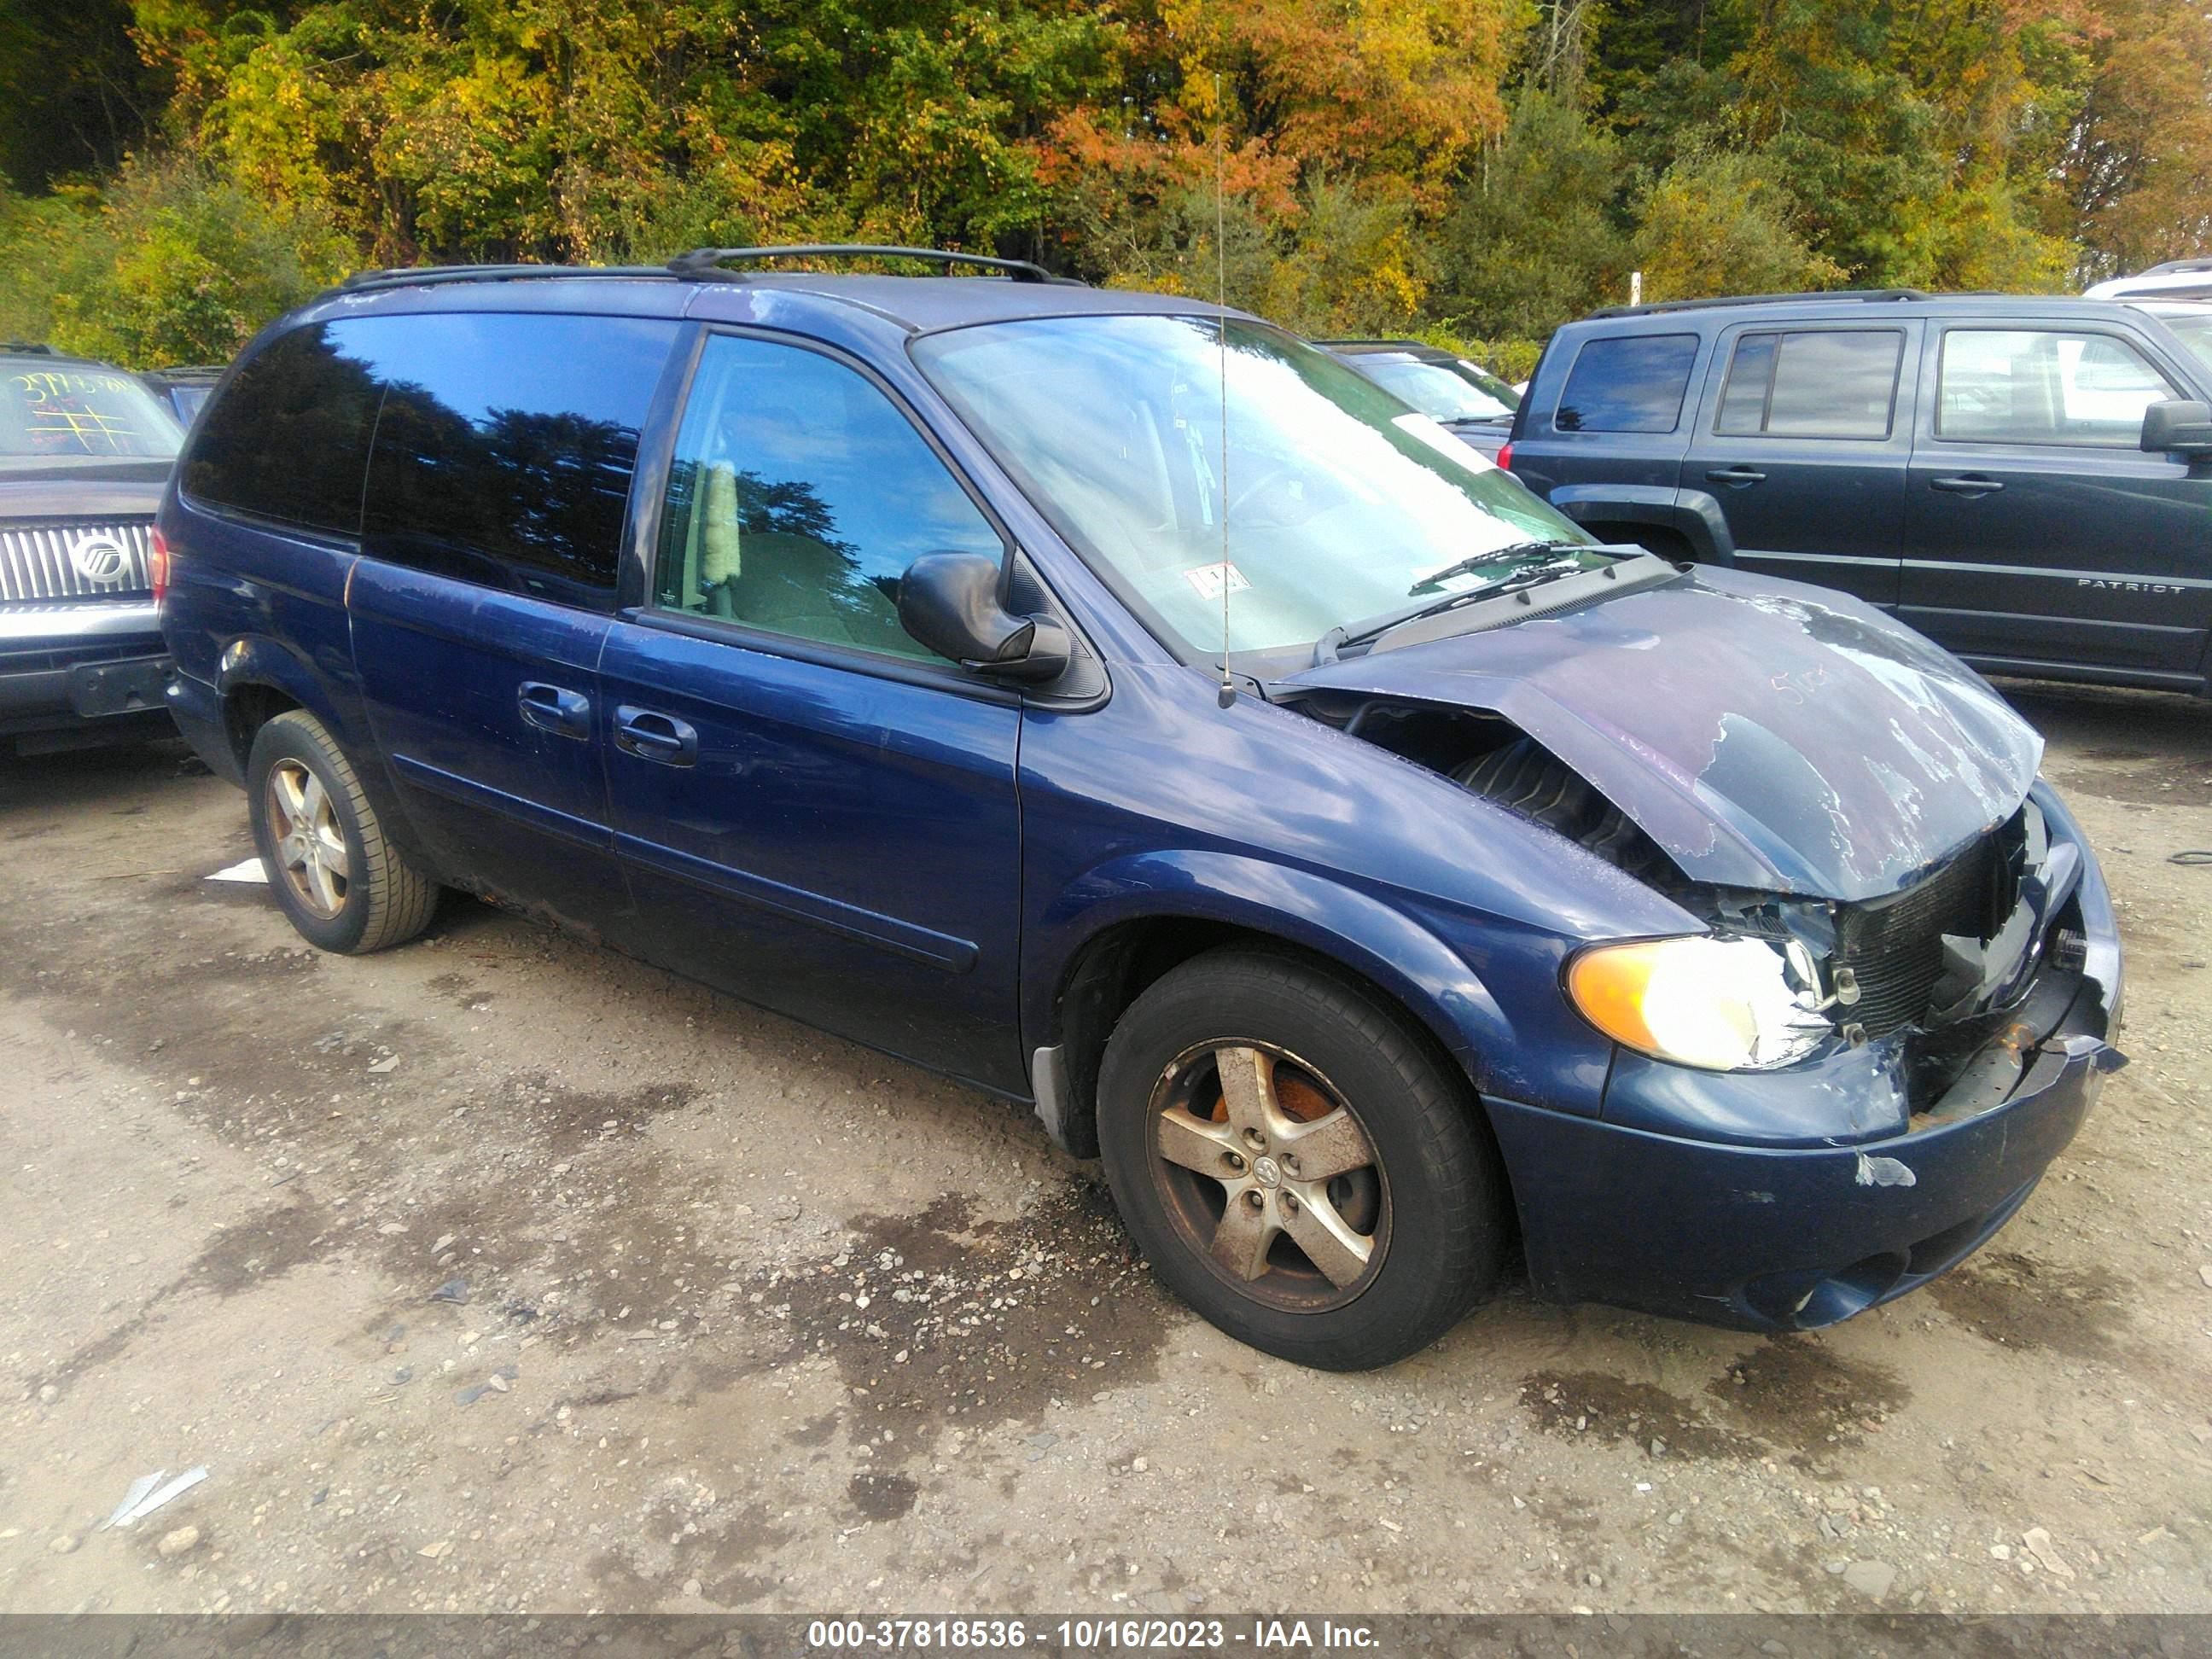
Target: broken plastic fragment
x,y
1884,1172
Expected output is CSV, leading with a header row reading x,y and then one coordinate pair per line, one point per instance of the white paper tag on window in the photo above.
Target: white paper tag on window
x,y
1212,580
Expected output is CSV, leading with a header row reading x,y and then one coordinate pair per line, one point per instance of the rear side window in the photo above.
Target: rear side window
x,y
505,448
1631,384
1820,384
2008,386
287,439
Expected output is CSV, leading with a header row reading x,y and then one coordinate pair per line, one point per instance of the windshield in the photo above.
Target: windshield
x,y
1442,393
1342,504
64,412
2191,324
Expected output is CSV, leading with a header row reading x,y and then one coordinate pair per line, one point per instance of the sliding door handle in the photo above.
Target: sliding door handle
x,y
654,737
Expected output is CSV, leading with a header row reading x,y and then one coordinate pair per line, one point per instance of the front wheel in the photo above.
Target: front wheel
x,y
1296,1165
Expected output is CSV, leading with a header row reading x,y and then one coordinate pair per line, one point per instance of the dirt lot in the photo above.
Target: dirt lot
x,y
741,1317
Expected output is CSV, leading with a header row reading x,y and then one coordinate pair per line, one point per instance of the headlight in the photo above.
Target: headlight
x,y
1726,1004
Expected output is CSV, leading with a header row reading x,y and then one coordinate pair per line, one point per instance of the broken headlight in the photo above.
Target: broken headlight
x,y
1723,1004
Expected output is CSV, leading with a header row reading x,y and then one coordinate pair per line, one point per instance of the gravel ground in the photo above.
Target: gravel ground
x,y
501,1274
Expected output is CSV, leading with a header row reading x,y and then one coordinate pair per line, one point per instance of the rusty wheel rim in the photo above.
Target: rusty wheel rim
x,y
1268,1176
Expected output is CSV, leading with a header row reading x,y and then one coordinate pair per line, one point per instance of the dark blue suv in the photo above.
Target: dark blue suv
x,y
2026,479
1127,708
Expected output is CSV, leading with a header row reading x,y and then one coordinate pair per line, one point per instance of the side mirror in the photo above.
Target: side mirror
x,y
2179,427
949,602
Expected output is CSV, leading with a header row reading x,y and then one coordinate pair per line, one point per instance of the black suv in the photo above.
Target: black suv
x,y
2027,481
84,451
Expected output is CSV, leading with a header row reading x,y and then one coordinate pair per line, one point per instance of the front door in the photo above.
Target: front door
x,y
815,811
1803,439
2039,534
493,518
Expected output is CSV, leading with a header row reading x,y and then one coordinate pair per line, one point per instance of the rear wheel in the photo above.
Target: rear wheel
x,y
1295,1164
342,884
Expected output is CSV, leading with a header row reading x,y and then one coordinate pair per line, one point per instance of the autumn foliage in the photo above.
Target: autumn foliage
x,y
178,170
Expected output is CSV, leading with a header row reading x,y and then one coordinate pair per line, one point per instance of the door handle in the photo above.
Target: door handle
x,y
1971,483
652,737
1735,475
552,708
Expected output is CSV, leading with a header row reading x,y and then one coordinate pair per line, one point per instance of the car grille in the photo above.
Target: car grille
x,y
1895,944
52,560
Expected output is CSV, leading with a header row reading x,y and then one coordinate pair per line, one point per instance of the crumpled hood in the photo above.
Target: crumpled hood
x,y
1765,734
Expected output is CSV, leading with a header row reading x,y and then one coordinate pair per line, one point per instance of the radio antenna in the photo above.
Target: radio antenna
x,y
1221,342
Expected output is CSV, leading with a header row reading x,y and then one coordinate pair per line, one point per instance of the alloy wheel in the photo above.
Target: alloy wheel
x,y
1267,1174
307,839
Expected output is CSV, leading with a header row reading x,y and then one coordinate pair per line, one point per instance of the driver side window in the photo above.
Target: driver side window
x,y
798,497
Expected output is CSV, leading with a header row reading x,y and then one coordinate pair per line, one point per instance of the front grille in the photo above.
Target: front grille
x,y
1895,944
65,561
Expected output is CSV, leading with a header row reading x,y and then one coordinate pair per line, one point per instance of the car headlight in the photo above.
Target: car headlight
x,y
1724,1005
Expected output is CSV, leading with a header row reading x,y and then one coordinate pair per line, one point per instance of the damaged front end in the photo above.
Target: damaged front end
x,y
1898,1007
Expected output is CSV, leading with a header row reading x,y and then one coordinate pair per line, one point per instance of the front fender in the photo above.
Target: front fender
x,y
1692,514
1403,950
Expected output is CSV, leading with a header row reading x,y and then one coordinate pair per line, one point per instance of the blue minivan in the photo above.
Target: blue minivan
x,y
1125,706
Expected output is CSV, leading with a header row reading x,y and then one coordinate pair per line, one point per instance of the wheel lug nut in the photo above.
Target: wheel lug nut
x,y
1236,1160
1254,1199
1253,1138
1290,1202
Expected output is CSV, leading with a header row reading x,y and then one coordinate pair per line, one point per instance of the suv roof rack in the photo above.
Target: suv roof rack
x,y
27,348
1842,295
707,262
410,276
701,263
2177,267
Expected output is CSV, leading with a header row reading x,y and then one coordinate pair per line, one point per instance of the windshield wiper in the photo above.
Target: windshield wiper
x,y
1478,561
1327,647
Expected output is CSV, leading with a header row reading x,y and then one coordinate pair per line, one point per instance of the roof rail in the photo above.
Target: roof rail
x,y
2176,267
27,348
411,276
1861,295
1379,340
705,262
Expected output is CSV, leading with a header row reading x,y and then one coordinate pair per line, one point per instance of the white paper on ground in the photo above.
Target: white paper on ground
x,y
145,1506
244,870
137,1495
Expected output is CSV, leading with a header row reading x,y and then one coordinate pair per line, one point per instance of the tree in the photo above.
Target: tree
x,y
1717,223
1536,235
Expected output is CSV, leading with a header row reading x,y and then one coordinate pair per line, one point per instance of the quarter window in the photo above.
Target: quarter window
x,y
2045,386
1630,383
1816,384
798,497
288,438
505,447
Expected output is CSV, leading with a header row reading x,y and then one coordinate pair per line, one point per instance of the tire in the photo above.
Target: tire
x,y
367,897
1329,1062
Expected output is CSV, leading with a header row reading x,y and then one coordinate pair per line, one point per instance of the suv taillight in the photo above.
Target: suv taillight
x,y
1506,456
157,565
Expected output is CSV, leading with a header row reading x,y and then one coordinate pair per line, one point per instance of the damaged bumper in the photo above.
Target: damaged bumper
x,y
1677,1200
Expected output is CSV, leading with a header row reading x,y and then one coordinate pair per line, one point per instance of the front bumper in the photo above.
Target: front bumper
x,y
1781,1237
91,670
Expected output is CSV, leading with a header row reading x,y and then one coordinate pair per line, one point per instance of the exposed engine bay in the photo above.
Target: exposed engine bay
x,y
1943,965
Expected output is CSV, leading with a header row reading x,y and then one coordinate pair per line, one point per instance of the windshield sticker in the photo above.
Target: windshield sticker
x,y
1212,580
1437,438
